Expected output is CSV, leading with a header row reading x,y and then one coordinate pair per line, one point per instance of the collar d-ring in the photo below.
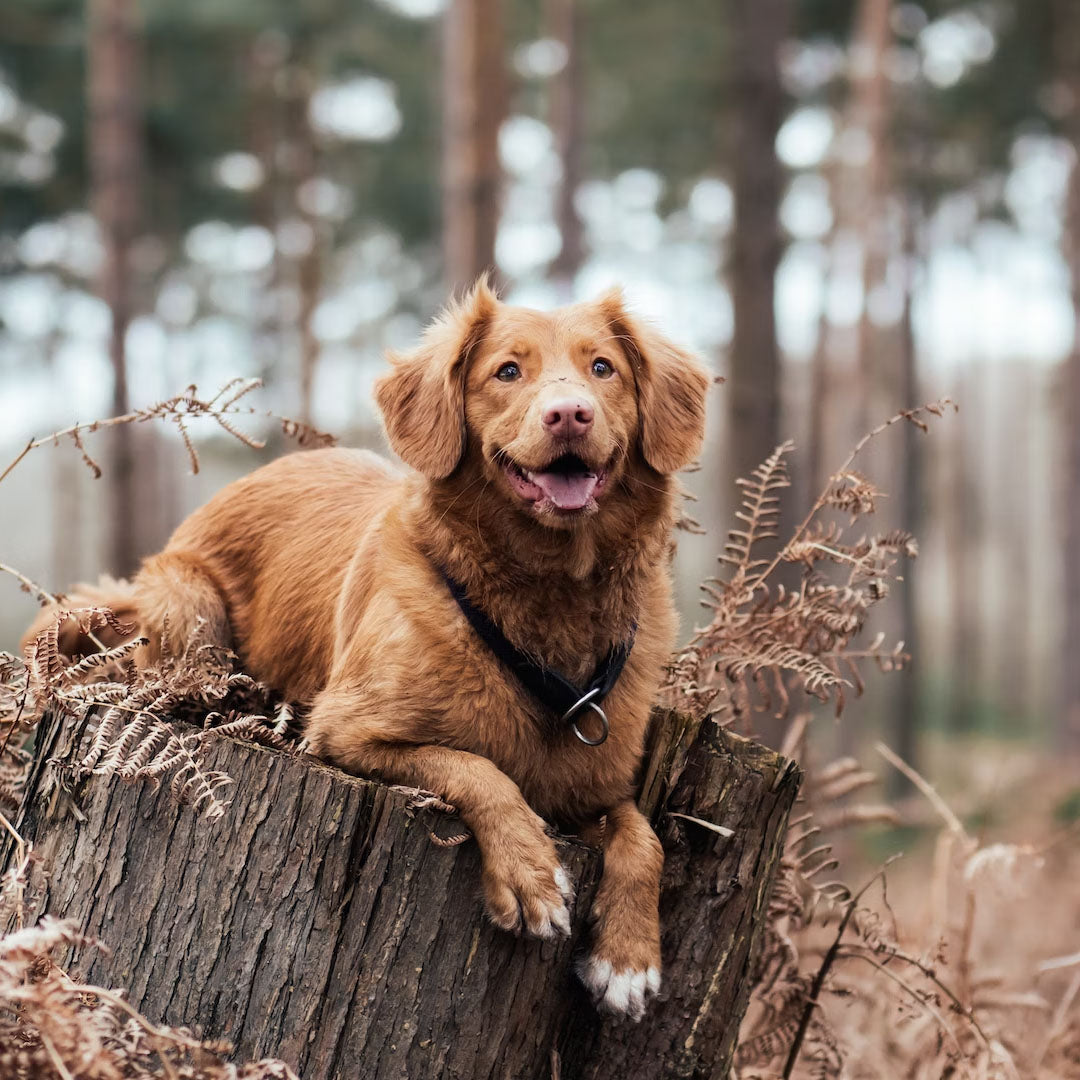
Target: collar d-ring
x,y
587,702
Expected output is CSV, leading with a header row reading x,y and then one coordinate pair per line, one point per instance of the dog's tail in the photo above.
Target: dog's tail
x,y
73,637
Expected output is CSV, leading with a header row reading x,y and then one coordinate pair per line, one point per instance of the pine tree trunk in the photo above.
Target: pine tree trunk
x,y
907,704
318,922
964,548
755,360
566,107
1068,728
474,106
114,152
869,113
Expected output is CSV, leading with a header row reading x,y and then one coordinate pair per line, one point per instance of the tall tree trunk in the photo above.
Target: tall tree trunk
x,y
907,700
869,113
319,922
303,160
474,106
566,118
66,473
754,418
1068,727
114,147
1014,463
964,550
820,387
266,61
754,430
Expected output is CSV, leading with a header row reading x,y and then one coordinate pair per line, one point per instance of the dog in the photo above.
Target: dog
x,y
527,543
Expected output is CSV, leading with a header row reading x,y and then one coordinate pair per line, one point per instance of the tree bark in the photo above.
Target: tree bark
x,y
114,148
964,547
1067,735
566,107
474,106
318,922
907,702
755,359
869,114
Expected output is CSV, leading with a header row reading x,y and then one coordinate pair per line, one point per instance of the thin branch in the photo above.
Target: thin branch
x,y
819,979
924,786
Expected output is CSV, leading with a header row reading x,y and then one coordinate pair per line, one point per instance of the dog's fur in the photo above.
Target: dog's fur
x,y
322,570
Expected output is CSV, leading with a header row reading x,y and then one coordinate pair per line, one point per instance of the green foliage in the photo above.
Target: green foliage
x,y
198,104
1067,810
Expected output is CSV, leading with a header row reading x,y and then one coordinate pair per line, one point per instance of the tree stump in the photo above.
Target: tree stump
x,y
318,922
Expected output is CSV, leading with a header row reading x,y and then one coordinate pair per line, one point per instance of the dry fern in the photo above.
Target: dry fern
x,y
766,644
144,723
180,410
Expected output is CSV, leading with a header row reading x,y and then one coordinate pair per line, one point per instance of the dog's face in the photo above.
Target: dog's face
x,y
551,401
552,408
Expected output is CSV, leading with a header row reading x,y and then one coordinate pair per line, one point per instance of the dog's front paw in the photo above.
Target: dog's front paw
x,y
621,991
527,888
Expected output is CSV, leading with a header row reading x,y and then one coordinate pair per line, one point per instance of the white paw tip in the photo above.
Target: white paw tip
x,y
595,975
625,992
618,995
543,930
560,919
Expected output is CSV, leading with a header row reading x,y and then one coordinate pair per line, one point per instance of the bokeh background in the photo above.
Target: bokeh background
x,y
847,207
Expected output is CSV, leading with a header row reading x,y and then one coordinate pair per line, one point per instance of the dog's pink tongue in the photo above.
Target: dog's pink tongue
x,y
568,491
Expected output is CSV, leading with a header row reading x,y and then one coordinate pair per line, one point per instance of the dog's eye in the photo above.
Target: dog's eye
x,y
508,373
602,368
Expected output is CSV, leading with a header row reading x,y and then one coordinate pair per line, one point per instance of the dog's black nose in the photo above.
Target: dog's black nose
x,y
568,417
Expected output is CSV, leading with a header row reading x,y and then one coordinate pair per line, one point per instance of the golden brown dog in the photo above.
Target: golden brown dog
x,y
542,447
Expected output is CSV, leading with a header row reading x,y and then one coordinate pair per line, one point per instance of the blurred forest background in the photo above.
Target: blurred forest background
x,y
848,207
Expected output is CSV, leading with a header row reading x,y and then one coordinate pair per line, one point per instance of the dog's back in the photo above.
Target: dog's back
x,y
262,563
241,569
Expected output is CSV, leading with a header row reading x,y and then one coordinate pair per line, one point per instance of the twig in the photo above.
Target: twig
x,y
57,1060
924,786
43,595
856,955
822,972
911,415
178,410
964,1010
1057,1024
721,830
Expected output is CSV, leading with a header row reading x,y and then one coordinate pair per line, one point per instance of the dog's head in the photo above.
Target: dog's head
x,y
553,408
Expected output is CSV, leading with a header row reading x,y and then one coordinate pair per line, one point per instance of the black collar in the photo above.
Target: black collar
x,y
555,692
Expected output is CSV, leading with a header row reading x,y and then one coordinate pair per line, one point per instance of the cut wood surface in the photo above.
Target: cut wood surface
x,y
318,922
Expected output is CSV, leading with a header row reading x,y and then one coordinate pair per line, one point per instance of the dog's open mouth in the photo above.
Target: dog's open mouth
x,y
567,483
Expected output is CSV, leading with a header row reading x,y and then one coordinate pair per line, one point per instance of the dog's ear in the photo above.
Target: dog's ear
x,y
422,399
672,384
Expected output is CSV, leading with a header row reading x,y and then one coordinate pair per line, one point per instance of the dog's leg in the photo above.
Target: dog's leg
x,y
177,591
525,885
623,969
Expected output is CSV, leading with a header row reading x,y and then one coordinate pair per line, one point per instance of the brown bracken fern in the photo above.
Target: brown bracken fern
x,y
766,643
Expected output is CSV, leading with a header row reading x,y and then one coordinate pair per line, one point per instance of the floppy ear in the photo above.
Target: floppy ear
x,y
672,384
422,399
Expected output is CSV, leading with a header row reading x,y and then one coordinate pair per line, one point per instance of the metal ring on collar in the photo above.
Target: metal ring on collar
x,y
587,702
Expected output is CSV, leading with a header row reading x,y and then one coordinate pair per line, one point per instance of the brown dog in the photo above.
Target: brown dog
x,y
543,447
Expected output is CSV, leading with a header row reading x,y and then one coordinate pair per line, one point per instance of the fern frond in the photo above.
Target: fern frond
x,y
759,512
